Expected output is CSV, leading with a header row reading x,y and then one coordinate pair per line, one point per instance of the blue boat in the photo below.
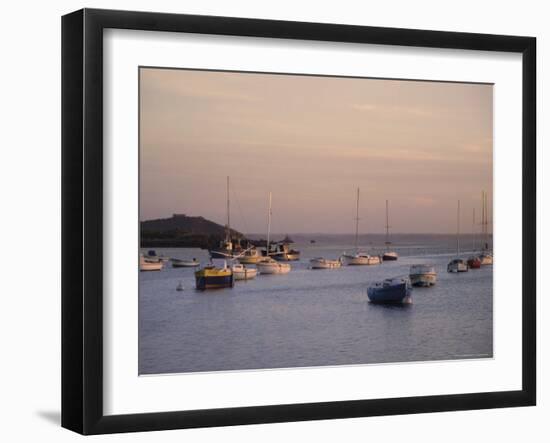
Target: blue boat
x,y
391,290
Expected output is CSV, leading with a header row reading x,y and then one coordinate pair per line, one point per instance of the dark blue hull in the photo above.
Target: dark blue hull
x,y
214,282
397,293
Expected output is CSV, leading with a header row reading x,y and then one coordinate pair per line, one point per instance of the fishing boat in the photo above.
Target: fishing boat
x,y
388,255
250,256
212,277
148,265
457,264
323,263
243,272
281,251
423,275
359,258
269,265
392,290
178,263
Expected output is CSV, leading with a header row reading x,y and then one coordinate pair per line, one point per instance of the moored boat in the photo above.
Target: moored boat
x,y
243,272
178,263
457,265
388,255
212,277
271,266
486,259
323,263
149,265
474,262
281,251
359,258
392,290
250,256
153,257
422,275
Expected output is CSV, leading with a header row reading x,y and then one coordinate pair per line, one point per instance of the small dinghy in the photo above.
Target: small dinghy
x,y
242,272
179,287
323,263
392,290
486,259
178,263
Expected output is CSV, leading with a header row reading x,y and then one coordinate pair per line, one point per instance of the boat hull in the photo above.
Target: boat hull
x,y
390,256
424,280
273,268
456,267
244,273
393,294
321,263
213,279
184,264
150,266
474,263
486,259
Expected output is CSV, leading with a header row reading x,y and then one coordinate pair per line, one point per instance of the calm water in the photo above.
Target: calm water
x,y
314,317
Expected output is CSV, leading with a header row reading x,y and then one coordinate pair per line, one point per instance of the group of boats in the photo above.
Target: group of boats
x,y
276,258
476,261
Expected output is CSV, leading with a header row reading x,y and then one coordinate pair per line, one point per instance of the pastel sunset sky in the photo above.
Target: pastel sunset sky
x,y
312,141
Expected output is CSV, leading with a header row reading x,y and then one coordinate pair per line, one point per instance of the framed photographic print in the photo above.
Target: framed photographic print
x,y
269,221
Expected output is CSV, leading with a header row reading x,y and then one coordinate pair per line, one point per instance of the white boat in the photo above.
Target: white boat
x,y
271,266
268,265
486,258
178,263
457,264
242,272
388,255
422,275
359,258
153,257
323,263
148,265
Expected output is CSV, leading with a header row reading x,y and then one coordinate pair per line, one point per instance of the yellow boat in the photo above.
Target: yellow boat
x,y
211,277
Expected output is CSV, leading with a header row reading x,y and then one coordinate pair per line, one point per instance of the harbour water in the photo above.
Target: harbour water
x,y
315,317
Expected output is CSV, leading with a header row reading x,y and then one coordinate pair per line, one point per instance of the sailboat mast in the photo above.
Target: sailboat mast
x,y
268,226
228,231
458,229
474,229
387,227
357,222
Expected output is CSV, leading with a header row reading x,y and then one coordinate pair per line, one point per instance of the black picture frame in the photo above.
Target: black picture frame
x,y
82,220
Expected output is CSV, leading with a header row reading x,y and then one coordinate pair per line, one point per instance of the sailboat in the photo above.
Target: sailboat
x,y
474,262
359,258
486,258
388,255
268,265
212,277
226,248
457,264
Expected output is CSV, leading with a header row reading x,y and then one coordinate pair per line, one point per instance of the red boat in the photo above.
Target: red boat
x,y
474,263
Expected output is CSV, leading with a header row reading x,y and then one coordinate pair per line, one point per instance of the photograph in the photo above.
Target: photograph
x,y
291,220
